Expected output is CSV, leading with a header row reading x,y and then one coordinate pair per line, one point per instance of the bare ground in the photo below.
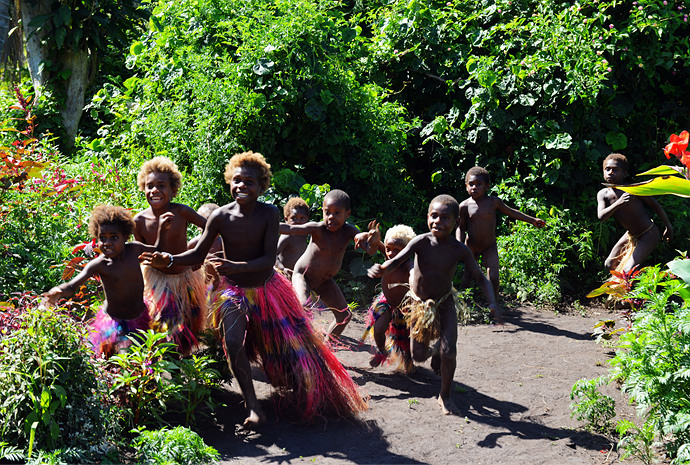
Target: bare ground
x,y
512,388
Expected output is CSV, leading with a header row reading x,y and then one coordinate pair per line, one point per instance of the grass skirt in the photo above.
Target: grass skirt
x,y
291,352
109,335
397,334
177,305
422,315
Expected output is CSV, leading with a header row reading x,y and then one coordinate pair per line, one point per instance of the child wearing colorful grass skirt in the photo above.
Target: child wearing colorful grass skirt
x,y
385,322
255,311
124,311
177,294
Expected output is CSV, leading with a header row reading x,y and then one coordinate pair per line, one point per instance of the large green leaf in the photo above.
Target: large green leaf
x,y
680,268
662,170
662,185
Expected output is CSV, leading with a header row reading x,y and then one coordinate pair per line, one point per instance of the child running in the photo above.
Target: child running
x,y
177,294
255,310
477,227
124,310
429,303
322,260
641,235
384,317
291,248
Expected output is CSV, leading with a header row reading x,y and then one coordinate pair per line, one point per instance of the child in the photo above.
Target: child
x,y
177,294
315,269
291,248
478,225
641,235
255,310
124,311
384,317
429,303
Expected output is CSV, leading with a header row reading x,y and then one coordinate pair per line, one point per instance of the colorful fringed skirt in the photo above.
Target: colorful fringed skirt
x,y
109,335
281,338
177,304
397,334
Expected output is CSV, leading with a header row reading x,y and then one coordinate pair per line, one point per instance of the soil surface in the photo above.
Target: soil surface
x,y
512,388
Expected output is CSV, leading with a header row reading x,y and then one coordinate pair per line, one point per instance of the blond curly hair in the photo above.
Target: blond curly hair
x,y
250,160
160,165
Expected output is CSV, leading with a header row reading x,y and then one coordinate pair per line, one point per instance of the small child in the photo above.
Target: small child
x,y
177,294
384,317
429,303
477,227
124,310
291,248
641,235
315,269
255,310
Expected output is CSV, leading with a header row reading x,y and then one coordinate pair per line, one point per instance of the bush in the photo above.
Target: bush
x,y
49,389
178,445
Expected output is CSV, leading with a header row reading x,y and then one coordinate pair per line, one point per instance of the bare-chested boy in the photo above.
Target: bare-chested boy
x,y
291,248
641,235
177,293
477,227
322,260
430,304
124,311
255,309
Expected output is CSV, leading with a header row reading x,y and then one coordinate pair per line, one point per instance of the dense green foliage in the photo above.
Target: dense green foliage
x,y
178,445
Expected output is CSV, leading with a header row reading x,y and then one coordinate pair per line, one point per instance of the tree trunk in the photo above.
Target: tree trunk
x,y
4,23
78,62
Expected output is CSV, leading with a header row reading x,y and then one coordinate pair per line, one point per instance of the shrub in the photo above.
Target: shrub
x,y
178,445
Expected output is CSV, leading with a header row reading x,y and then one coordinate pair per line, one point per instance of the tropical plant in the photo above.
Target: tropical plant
x,y
592,406
178,445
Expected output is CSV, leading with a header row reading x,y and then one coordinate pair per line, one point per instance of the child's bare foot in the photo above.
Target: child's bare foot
x,y
255,418
448,407
496,316
378,359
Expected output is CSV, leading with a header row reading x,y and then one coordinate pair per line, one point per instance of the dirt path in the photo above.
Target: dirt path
x,y
512,387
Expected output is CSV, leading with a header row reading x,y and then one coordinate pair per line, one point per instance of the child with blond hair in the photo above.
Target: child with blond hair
x,y
255,310
177,293
385,321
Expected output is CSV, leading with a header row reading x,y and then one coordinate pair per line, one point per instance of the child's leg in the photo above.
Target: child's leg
x,y
646,243
448,353
380,328
615,256
490,262
302,290
333,298
233,327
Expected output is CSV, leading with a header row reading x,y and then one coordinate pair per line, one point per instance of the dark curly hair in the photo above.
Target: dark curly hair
x,y
110,214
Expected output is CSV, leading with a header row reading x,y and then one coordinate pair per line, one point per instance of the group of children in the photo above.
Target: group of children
x,y
255,285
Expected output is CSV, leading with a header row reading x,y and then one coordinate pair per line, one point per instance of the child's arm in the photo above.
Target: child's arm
x,y
369,240
658,209
518,215
68,289
299,229
605,211
461,231
378,270
471,265
265,261
191,216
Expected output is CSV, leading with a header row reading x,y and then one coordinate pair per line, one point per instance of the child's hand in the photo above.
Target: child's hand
x,y
155,259
51,297
374,233
222,266
165,221
375,271
538,223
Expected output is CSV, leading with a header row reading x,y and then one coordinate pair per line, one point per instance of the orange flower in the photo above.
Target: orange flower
x,y
677,145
